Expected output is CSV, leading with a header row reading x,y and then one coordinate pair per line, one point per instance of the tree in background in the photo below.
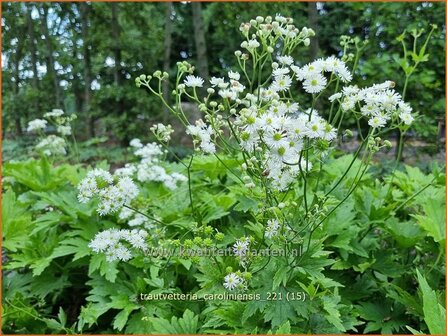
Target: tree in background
x,y
83,57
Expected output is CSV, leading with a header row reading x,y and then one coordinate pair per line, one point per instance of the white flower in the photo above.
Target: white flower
x,y
52,145
36,124
162,132
204,133
275,139
272,228
407,118
64,129
232,281
315,83
280,72
127,170
335,96
234,75
193,81
252,44
215,81
376,122
117,244
136,143
329,132
285,60
112,197
54,113
228,94
240,248
248,140
281,83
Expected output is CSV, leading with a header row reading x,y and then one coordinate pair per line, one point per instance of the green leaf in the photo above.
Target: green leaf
x,y
16,222
284,329
434,219
281,276
434,312
280,311
188,324
333,315
62,316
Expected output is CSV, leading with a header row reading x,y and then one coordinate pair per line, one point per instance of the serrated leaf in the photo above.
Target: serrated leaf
x,y
434,313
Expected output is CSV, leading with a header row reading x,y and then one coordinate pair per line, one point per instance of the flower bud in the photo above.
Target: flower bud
x,y
259,19
306,42
275,65
198,240
348,133
213,104
207,242
219,236
229,269
157,74
210,91
238,53
270,49
143,77
388,144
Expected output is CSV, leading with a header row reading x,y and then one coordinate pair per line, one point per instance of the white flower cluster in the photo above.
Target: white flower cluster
x,y
54,113
203,133
281,129
52,145
162,132
112,196
269,28
117,244
312,74
233,281
36,125
148,169
272,228
380,103
241,249
133,218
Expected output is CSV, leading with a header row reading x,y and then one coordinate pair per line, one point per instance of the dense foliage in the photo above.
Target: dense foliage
x,y
127,241
73,60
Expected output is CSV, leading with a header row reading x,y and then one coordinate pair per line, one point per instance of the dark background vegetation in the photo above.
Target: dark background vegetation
x,y
83,57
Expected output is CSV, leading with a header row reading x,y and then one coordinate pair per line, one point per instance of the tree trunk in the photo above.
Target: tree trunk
x,y
199,35
16,111
84,10
312,13
167,58
50,58
116,43
32,41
